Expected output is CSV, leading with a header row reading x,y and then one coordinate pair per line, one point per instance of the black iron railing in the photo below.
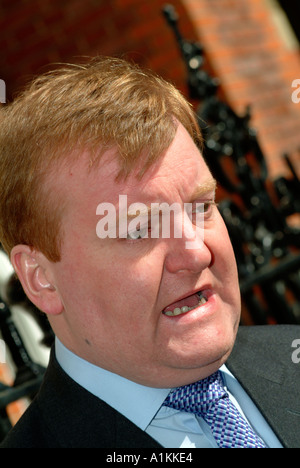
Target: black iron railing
x,y
257,209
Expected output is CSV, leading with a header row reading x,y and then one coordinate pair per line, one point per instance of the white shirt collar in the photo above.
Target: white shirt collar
x,y
136,402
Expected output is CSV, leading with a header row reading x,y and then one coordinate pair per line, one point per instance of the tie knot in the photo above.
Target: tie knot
x,y
197,397
209,399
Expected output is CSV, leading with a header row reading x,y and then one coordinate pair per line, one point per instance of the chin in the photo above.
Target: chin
x,y
210,352
203,362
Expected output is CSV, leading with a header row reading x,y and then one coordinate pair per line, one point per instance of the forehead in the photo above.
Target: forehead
x,y
180,173
181,166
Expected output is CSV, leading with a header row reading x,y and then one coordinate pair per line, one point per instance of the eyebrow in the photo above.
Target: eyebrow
x,y
206,187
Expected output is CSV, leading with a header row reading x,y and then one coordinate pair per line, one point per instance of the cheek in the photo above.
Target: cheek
x,y
221,248
224,266
133,285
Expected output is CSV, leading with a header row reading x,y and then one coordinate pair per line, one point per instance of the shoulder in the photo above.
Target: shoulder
x,y
29,432
277,331
265,346
268,335
65,415
262,361
62,414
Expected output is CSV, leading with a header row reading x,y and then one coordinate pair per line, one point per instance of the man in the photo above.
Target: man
x,y
90,157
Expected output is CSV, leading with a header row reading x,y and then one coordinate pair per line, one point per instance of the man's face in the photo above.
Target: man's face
x,y
119,295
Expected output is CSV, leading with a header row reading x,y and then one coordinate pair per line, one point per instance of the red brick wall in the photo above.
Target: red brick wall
x,y
247,52
34,34
243,48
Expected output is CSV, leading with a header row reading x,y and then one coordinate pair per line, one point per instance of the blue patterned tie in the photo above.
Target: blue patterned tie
x,y
209,399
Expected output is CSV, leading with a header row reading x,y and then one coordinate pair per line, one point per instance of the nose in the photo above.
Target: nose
x,y
188,253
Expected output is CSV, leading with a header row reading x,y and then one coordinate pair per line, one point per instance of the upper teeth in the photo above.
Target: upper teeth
x,y
184,309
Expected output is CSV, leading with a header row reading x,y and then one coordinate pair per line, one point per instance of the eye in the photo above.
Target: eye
x,y
207,206
201,211
139,232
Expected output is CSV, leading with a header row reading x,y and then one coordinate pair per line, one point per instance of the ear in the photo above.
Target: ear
x,y
34,272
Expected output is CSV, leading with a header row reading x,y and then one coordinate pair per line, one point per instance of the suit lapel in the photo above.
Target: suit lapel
x,y
77,418
261,362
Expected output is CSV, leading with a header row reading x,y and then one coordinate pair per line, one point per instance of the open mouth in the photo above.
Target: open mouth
x,y
187,304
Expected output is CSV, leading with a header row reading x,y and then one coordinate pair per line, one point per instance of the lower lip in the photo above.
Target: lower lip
x,y
202,311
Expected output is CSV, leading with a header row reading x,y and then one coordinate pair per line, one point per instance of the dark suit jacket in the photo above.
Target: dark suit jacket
x,y
65,415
